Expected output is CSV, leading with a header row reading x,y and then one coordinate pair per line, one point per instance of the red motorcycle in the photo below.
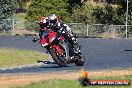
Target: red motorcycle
x,y
59,48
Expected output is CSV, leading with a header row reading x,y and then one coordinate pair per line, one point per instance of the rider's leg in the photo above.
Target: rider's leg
x,y
73,41
74,44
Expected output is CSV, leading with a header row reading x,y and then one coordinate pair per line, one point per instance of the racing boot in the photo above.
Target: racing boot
x,y
76,50
75,46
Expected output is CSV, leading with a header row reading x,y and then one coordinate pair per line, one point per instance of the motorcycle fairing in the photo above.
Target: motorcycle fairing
x,y
51,36
57,49
65,44
43,41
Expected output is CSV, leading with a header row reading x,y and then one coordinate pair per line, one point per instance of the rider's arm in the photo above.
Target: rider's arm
x,y
56,27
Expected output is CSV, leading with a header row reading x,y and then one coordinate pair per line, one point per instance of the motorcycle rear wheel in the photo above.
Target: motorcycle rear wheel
x,y
56,57
79,62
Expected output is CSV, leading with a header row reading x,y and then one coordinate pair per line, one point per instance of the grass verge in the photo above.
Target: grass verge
x,y
62,78
15,57
59,83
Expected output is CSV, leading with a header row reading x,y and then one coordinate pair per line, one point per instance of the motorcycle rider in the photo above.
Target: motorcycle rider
x,y
65,30
44,26
52,22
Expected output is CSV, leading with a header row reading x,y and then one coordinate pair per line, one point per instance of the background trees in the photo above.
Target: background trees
x,y
21,5
113,15
39,8
69,10
7,8
82,14
75,11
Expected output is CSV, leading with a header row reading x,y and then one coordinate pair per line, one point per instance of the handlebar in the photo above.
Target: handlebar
x,y
35,39
58,33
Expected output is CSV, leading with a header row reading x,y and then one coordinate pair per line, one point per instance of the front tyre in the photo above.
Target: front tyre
x,y
56,57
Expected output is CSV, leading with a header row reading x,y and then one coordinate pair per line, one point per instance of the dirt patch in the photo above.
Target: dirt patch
x,y
10,80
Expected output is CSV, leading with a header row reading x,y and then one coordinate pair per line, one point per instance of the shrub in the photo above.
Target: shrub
x,y
82,14
39,8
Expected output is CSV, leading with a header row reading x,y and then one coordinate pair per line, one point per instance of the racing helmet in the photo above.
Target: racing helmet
x,y
53,18
43,22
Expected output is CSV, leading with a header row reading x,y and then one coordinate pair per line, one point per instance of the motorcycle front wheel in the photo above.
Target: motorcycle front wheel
x,y
62,62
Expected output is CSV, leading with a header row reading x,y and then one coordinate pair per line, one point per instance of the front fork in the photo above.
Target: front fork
x,y
57,49
60,53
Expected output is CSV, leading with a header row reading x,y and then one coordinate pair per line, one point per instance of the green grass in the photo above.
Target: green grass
x,y
70,84
15,57
20,23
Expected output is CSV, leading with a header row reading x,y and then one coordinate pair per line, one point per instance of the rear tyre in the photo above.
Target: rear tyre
x,y
57,59
79,62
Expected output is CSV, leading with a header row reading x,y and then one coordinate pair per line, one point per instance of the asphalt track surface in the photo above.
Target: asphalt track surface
x,y
100,54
